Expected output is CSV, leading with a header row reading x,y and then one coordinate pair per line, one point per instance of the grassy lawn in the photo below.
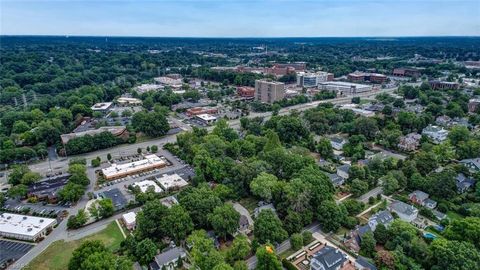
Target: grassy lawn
x,y
453,215
57,255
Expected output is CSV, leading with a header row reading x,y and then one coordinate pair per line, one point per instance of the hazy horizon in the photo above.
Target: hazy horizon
x,y
241,19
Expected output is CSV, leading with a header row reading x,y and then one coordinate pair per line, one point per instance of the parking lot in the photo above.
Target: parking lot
x,y
11,251
37,208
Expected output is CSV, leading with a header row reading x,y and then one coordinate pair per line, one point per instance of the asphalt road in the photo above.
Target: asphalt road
x,y
372,193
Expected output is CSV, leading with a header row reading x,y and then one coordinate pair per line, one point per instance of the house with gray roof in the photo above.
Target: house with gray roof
x,y
383,217
328,258
435,133
473,164
170,257
362,263
343,171
404,211
337,143
464,183
422,198
336,179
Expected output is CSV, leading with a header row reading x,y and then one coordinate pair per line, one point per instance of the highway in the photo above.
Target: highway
x,y
62,163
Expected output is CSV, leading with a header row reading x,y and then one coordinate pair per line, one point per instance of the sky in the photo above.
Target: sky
x,y
241,18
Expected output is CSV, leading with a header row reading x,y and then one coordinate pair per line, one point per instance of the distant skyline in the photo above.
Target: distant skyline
x,y
241,18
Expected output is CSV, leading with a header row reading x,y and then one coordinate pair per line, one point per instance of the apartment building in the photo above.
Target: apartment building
x,y
269,91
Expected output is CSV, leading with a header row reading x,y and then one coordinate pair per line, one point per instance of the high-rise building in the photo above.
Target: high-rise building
x,y
269,91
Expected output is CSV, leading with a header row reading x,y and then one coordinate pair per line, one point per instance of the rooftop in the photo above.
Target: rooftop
x,y
171,181
24,225
145,184
419,195
169,255
328,258
130,217
206,117
147,162
101,106
403,208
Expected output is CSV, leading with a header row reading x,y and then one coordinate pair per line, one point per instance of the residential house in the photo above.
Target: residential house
x,y
328,258
354,239
464,183
473,164
418,197
410,142
169,258
129,220
244,225
404,211
362,263
439,215
338,143
435,133
383,217
259,209
343,171
336,179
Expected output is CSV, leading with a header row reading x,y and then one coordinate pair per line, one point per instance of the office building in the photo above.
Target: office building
x,y
246,92
345,88
441,85
407,72
23,227
269,91
308,80
359,77
171,182
150,162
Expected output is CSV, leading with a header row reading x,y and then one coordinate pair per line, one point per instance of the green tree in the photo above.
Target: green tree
x,y
239,250
358,187
268,228
381,234
203,253
367,245
296,241
154,149
454,255
105,208
71,192
389,184
15,176
199,202
30,178
145,251
324,148
177,223
263,185
18,191
330,215
266,259
224,220
467,229
458,134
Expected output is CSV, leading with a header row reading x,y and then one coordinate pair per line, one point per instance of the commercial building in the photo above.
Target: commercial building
x,y
118,199
103,107
171,182
246,92
127,101
407,72
206,118
23,227
146,184
358,76
358,111
269,91
286,68
344,88
474,105
308,80
130,220
117,131
150,162
47,189
201,110
171,81
144,88
441,85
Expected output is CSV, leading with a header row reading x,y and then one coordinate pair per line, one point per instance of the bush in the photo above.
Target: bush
x,y
154,149
81,161
95,162
371,200
288,265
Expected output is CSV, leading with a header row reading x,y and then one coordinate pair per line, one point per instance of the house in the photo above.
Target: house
x,y
383,217
435,133
362,263
169,201
244,225
439,215
405,211
259,209
354,239
343,171
473,164
464,183
418,197
430,204
328,258
338,143
336,179
129,220
409,142
169,258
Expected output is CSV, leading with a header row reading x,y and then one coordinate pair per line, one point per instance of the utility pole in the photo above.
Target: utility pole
x,y
24,101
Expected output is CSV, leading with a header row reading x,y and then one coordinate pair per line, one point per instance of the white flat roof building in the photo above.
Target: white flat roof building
x,y
145,184
125,101
344,87
206,118
358,111
143,88
23,227
103,106
171,181
150,162
130,220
